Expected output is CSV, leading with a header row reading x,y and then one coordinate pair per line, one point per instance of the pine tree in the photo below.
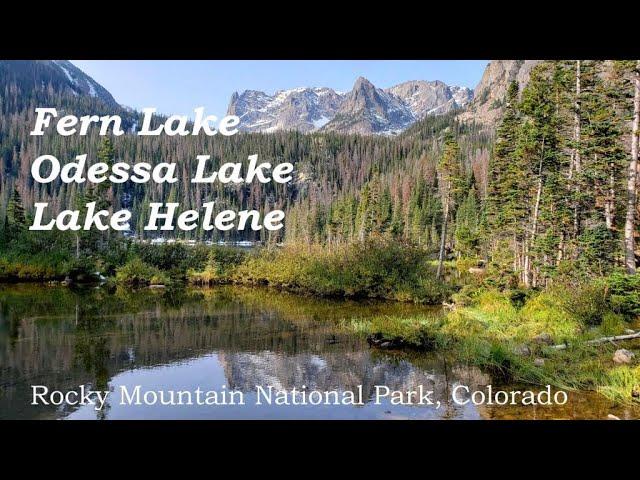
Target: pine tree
x,y
603,155
501,162
450,189
509,191
16,219
467,225
103,191
549,215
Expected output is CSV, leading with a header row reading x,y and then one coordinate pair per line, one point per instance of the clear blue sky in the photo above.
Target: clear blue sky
x,y
180,86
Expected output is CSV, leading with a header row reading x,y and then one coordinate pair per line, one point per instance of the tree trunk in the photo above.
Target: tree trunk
x,y
516,254
561,248
443,236
598,341
577,159
576,162
630,223
534,227
609,207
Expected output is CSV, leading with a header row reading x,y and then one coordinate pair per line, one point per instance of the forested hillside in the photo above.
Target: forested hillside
x,y
329,168
548,187
518,216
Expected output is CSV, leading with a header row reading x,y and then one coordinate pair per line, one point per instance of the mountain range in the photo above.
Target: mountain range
x,y
366,109
329,169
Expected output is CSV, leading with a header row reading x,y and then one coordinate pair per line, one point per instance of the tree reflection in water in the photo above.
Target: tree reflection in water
x,y
63,339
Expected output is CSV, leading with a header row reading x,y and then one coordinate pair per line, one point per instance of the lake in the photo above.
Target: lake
x,y
224,341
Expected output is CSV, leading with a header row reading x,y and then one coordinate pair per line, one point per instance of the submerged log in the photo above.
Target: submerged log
x,y
598,341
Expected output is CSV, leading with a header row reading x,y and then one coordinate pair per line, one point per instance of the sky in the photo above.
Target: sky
x,y
179,86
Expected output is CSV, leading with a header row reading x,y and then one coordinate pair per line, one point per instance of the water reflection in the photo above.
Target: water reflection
x,y
217,339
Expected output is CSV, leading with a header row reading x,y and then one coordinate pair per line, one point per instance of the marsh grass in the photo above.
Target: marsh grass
x,y
489,330
419,331
377,268
622,385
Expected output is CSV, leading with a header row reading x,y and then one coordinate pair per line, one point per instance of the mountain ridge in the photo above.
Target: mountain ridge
x,y
486,106
365,109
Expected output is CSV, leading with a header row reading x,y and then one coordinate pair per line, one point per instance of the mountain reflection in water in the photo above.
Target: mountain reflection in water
x,y
216,339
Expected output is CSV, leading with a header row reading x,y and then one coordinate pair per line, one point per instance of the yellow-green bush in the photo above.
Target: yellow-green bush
x,y
137,273
373,269
620,384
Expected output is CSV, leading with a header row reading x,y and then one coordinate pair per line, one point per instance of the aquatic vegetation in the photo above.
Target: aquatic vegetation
x,y
419,331
622,384
513,343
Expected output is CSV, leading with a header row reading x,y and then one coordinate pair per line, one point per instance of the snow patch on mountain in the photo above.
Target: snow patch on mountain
x,y
301,108
321,122
365,109
92,89
66,72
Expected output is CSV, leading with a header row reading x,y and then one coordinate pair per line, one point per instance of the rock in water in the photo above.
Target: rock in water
x,y
623,356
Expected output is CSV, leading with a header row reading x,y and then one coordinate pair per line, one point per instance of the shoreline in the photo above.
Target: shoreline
x,y
524,359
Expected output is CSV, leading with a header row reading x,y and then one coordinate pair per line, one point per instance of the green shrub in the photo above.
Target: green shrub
x,y
176,256
375,268
588,302
223,259
466,296
612,324
138,273
624,293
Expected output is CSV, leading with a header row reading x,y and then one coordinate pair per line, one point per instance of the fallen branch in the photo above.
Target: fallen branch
x,y
597,341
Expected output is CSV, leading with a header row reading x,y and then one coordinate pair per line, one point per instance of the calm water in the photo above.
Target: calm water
x,y
223,340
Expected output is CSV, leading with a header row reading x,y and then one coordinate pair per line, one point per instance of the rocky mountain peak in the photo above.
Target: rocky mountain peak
x,y
365,109
489,94
364,95
429,98
363,84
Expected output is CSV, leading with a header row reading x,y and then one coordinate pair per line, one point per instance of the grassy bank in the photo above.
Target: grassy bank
x,y
509,332
376,268
513,337
372,269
